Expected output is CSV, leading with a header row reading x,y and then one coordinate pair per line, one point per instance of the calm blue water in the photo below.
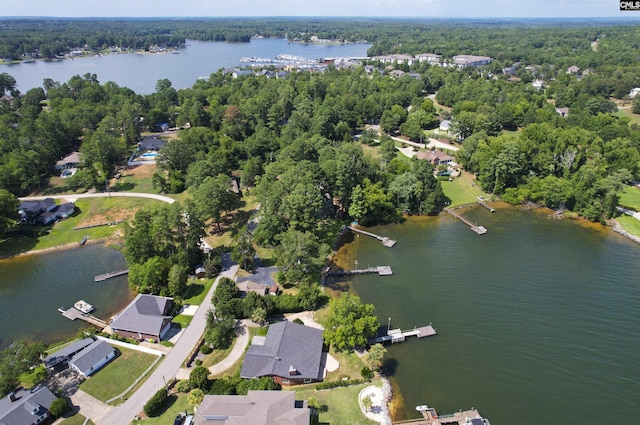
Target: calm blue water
x,y
140,72
33,287
537,320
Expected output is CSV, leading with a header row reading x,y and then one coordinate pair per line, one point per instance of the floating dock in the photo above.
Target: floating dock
x,y
389,243
106,276
73,314
381,270
397,335
431,417
481,230
482,202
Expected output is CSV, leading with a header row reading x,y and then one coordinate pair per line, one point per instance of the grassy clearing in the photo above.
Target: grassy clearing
x,y
135,179
340,404
33,377
196,291
118,375
629,224
626,112
88,211
176,403
76,419
630,198
462,190
182,320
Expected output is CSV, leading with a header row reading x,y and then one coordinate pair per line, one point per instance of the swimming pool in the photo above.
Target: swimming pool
x,y
149,155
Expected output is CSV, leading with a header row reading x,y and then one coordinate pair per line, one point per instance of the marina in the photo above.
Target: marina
x,y
389,243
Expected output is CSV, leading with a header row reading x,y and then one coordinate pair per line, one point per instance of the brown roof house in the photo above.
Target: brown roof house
x,y
255,408
435,157
72,160
145,318
26,407
290,354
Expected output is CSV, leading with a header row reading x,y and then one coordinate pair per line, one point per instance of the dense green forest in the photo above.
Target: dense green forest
x,y
293,142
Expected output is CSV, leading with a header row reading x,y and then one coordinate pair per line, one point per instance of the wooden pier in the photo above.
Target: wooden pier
x,y
106,276
74,314
481,230
381,270
482,202
431,417
385,240
397,335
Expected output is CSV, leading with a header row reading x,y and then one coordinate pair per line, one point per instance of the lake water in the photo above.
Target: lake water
x,y
537,320
140,72
33,287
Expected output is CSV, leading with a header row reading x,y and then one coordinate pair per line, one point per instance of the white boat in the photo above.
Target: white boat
x,y
83,306
422,408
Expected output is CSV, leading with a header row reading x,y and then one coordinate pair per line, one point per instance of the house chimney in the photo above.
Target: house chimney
x,y
292,371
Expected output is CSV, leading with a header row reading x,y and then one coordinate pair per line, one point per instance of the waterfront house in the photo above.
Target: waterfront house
x,y
65,210
32,210
70,161
241,73
290,354
59,360
257,407
395,59
145,318
26,407
92,358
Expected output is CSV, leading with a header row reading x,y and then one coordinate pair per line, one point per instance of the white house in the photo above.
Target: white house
x,y
92,358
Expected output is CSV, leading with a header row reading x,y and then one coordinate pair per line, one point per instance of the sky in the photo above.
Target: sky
x,y
364,8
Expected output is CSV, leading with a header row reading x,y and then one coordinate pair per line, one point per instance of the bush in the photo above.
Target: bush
x,y
338,384
184,386
155,403
59,407
198,362
206,349
366,373
298,321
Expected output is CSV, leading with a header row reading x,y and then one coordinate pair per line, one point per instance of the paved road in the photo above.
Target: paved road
x,y
73,197
167,369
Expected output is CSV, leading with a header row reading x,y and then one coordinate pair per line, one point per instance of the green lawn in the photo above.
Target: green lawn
x,y
92,210
462,190
341,404
177,403
630,198
118,375
196,291
626,112
76,419
630,224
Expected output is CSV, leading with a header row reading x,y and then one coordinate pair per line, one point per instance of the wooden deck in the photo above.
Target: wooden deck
x,y
430,417
389,243
482,202
481,230
106,276
74,314
397,335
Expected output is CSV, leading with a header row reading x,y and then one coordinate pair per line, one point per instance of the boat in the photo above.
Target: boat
x,y
476,421
83,306
422,408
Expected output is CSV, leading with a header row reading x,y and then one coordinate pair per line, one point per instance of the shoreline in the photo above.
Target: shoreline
x,y
57,248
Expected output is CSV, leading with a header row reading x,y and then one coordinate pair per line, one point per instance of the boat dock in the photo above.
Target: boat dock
x,y
481,230
397,335
381,270
482,202
431,417
73,314
385,240
106,276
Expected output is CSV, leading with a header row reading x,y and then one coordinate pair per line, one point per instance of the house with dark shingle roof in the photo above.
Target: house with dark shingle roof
x,y
59,360
72,160
26,407
92,358
290,354
145,318
151,143
255,408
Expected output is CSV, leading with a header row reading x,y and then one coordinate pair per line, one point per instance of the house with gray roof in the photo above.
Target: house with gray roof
x,y
151,143
255,408
290,354
92,358
59,360
145,318
26,407
72,160
65,210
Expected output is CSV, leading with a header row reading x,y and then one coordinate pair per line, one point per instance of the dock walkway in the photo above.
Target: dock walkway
x,y
73,314
106,276
484,204
430,417
397,335
381,270
389,243
481,230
